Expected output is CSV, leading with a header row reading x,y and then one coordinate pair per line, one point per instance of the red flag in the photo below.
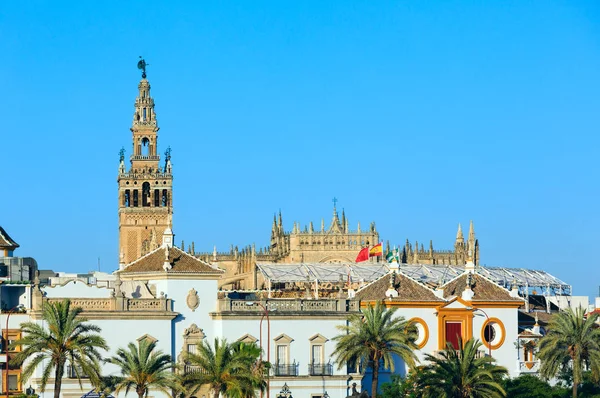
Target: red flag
x,y
363,255
376,251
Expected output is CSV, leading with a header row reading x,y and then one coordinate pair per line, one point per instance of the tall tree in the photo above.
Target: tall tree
x,y
143,367
233,370
462,373
572,342
373,338
67,338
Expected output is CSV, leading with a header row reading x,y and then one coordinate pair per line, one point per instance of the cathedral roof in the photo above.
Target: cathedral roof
x,y
178,260
6,241
483,289
406,288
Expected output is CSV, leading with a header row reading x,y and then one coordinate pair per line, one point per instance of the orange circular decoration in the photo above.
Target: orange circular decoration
x,y
425,336
493,322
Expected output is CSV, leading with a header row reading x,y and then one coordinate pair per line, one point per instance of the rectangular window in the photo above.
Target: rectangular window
x,y
453,333
13,382
316,354
191,348
281,354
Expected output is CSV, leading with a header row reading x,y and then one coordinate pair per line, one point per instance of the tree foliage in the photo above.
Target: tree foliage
x,y
67,339
572,342
374,338
461,374
144,368
233,370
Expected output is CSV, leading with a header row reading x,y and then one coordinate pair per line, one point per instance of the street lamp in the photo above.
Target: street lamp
x,y
265,314
17,308
487,323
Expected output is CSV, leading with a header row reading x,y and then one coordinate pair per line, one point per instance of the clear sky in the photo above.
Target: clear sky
x,y
417,115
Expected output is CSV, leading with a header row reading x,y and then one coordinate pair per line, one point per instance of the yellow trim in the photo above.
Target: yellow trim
x,y
425,330
502,336
462,315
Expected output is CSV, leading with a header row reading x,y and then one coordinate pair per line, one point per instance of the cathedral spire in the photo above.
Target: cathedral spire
x,y
459,235
472,234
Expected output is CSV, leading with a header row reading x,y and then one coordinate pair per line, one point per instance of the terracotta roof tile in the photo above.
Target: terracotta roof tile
x,y
483,289
528,333
408,290
180,261
6,241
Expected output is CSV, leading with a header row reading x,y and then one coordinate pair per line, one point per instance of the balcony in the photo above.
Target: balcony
x,y
294,305
285,370
529,366
320,369
191,369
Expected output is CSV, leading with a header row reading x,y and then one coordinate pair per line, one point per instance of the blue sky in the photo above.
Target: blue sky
x,y
417,115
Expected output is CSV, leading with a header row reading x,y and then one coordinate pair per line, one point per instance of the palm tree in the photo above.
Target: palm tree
x,y
461,374
143,367
229,369
67,338
572,341
258,369
375,337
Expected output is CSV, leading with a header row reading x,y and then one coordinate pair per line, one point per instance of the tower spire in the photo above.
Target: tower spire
x,y
459,234
145,189
471,234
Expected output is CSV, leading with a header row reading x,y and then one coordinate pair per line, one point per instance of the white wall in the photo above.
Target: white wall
x,y
300,329
77,289
177,290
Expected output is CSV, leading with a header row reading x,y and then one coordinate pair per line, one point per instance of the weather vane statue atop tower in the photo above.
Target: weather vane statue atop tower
x,y
142,66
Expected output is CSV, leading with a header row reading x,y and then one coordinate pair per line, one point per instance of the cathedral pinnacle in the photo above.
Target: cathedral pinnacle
x,y
471,232
459,234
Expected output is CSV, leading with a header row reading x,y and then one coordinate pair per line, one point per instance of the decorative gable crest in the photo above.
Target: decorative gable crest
x,y
283,338
248,339
193,332
318,339
148,338
285,392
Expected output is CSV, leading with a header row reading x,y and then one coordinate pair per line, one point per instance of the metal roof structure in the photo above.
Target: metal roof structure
x,y
431,275
525,279
322,272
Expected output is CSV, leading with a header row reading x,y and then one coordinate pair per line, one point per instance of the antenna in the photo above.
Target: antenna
x,y
98,264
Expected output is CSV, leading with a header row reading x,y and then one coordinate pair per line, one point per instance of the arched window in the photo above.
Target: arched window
x,y
146,194
156,198
127,198
135,198
165,198
145,146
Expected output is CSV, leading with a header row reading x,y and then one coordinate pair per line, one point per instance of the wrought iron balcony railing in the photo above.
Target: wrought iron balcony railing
x,y
188,369
285,370
320,369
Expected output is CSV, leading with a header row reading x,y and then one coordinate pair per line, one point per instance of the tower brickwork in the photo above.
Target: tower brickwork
x,y
146,187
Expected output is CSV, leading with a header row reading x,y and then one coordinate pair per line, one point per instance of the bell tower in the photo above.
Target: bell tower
x,y
146,188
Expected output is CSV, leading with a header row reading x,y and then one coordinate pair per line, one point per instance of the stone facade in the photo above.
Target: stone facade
x,y
145,190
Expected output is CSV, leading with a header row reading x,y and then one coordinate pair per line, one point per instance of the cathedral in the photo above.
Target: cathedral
x,y
146,208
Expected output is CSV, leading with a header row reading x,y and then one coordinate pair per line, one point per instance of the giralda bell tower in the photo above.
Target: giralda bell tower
x,y
146,189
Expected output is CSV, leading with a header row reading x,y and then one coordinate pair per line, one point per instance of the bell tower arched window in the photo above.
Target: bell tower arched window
x,y
145,147
127,198
135,198
146,194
